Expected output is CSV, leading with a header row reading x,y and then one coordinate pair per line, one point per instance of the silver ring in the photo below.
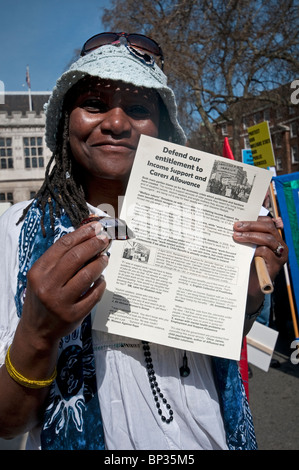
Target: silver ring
x,y
279,250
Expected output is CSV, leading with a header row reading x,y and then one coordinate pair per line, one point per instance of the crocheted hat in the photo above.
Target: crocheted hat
x,y
112,62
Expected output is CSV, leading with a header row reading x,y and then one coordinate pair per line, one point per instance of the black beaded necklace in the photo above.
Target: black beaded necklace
x,y
158,395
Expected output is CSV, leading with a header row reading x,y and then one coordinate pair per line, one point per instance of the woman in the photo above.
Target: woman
x,y
74,388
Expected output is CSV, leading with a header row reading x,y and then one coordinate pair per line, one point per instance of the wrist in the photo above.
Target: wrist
x,y
38,340
253,316
31,355
25,381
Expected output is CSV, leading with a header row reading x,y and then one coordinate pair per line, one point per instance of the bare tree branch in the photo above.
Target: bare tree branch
x,y
218,55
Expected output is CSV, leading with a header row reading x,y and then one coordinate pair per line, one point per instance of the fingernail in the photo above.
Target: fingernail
x,y
93,225
98,228
103,236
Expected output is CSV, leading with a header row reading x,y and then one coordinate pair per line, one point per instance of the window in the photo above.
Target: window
x,y
6,159
278,163
257,117
33,152
6,197
278,140
224,129
294,153
267,114
245,122
246,143
293,129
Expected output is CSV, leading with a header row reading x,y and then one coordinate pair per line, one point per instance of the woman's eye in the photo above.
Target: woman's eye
x,y
94,106
138,111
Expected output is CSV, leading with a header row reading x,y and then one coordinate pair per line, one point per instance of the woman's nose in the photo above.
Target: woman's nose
x,y
116,121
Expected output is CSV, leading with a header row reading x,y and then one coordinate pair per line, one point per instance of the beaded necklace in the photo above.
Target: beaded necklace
x,y
158,395
184,372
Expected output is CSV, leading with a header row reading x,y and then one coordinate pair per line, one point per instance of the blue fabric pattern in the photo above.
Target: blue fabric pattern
x,y
72,419
237,417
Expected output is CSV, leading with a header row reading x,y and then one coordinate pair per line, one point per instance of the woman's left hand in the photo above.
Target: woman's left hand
x,y
269,245
264,234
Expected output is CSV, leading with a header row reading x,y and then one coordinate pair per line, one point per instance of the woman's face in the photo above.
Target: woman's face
x,y
106,121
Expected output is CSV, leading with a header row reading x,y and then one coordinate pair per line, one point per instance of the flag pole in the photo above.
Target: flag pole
x,y
29,87
30,100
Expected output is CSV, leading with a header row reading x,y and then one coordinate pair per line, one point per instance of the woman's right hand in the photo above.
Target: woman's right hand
x,y
65,283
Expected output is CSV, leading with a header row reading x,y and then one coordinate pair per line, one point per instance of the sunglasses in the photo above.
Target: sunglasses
x,y
134,42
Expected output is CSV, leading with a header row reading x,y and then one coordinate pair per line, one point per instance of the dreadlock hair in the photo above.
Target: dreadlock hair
x,y
61,188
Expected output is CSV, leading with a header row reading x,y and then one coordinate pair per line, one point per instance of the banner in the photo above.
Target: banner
x,y
261,145
247,157
287,187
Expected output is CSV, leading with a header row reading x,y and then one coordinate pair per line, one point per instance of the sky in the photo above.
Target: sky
x,y
43,34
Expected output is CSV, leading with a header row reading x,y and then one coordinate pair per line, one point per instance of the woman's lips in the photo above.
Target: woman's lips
x,y
114,145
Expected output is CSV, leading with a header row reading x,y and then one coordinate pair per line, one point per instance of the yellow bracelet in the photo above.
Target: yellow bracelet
x,y
20,379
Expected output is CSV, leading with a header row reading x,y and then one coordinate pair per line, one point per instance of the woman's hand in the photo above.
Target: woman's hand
x,y
269,245
65,283
264,234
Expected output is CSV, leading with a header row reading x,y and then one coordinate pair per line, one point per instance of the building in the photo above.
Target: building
x,y
23,151
284,129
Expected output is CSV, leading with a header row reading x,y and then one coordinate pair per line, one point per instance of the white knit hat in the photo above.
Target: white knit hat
x,y
112,62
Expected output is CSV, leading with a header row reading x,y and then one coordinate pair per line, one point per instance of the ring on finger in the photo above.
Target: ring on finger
x,y
279,250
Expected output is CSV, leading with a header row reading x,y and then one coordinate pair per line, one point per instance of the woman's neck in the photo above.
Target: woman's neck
x,y
107,195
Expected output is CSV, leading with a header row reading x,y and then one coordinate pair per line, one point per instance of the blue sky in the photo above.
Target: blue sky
x,y
43,34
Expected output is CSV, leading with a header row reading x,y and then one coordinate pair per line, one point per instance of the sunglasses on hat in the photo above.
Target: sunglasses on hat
x,y
139,45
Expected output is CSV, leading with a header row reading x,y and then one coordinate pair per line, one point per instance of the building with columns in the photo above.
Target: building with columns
x,y
23,151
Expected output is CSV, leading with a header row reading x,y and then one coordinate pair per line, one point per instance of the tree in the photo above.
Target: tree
x,y
220,56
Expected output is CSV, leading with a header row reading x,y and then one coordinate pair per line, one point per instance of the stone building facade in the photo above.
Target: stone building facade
x,y
23,151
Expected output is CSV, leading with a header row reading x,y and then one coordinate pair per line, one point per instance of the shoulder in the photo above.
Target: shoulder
x,y
14,212
9,227
9,239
